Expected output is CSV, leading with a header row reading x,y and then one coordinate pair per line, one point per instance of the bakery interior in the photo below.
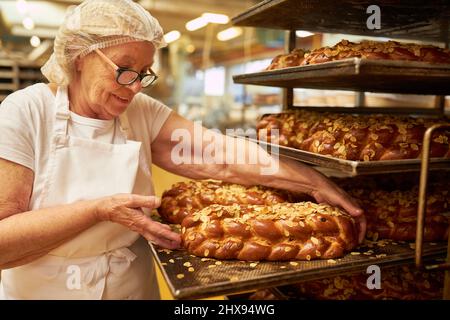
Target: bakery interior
x,y
231,64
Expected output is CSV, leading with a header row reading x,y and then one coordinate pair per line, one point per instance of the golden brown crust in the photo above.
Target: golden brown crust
x,y
291,59
390,205
354,137
404,283
286,231
390,50
187,197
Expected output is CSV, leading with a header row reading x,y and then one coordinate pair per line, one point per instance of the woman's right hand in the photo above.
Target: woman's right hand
x,y
125,209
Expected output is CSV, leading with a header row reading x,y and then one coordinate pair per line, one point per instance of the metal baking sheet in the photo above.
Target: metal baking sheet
x,y
400,19
210,277
359,74
353,168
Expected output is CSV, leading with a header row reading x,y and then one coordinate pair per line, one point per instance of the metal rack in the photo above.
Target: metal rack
x,y
353,168
359,75
426,21
429,22
211,277
190,277
17,75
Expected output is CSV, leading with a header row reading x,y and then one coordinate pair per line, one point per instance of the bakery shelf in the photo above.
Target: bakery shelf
x,y
351,168
420,21
358,74
211,277
7,86
6,74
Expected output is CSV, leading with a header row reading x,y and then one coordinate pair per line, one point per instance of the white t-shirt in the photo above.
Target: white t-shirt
x,y
26,127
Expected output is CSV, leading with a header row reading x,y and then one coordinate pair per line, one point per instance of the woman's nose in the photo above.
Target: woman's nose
x,y
136,86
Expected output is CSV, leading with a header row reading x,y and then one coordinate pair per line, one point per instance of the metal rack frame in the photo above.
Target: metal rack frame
x,y
17,75
428,23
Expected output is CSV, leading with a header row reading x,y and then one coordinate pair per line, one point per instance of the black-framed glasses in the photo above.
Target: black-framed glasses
x,y
127,77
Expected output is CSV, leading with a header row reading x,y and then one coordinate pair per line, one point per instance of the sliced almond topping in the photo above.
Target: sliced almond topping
x,y
331,261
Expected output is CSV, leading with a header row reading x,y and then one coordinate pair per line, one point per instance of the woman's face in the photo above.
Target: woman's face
x,y
98,90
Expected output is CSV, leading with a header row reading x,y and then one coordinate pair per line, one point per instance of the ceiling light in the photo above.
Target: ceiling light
x,y
229,33
216,18
35,41
28,23
172,36
303,34
22,6
196,24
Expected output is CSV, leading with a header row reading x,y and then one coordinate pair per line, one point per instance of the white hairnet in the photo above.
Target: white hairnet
x,y
96,24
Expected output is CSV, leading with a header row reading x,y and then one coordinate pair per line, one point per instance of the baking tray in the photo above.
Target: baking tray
x,y
358,74
211,277
400,19
352,168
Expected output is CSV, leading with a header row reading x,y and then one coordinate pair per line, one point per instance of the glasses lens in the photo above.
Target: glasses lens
x,y
127,77
148,80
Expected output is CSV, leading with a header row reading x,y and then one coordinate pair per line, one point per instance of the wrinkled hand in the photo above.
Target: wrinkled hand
x,y
330,193
125,209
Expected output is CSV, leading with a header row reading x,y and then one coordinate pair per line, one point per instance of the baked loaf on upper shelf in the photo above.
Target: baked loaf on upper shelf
x,y
402,283
285,231
287,60
187,197
354,137
390,50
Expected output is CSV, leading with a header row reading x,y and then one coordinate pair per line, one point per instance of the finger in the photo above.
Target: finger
x,y
349,205
362,227
163,242
340,199
160,230
138,201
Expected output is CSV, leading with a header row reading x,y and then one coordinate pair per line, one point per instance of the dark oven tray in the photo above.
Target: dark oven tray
x,y
211,277
336,166
358,74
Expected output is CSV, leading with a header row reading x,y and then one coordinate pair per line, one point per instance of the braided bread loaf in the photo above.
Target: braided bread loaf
x,y
291,59
390,50
187,197
354,137
287,231
404,283
393,215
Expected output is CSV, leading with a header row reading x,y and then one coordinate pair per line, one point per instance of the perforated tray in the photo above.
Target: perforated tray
x,y
211,277
350,167
358,74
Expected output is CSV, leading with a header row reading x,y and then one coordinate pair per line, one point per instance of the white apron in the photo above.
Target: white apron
x,y
106,261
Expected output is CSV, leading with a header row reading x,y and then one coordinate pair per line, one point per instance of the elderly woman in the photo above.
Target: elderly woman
x,y
75,158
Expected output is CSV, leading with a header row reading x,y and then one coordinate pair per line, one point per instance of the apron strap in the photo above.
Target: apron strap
x,y
62,115
124,125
